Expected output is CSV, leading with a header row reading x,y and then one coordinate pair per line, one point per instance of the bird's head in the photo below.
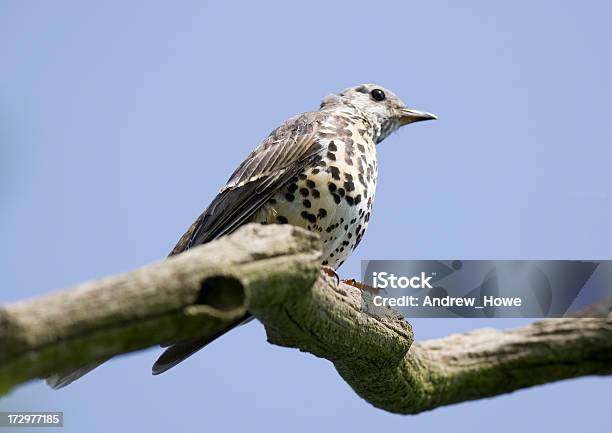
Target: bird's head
x,y
382,107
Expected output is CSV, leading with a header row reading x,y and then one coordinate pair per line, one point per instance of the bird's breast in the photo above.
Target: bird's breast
x,y
334,195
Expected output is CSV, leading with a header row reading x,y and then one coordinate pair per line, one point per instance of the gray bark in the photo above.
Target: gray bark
x,y
273,272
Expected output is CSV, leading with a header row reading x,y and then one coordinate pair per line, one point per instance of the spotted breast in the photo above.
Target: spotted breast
x,y
332,195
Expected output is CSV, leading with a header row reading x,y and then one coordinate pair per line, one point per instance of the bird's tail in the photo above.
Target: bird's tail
x,y
179,352
173,355
60,380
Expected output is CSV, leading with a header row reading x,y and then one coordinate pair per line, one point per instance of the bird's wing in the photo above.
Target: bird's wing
x,y
280,157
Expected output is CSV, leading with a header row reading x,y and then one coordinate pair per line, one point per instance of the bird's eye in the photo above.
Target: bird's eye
x,y
378,95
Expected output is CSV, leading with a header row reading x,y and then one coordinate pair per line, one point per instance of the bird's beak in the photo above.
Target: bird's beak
x,y
410,116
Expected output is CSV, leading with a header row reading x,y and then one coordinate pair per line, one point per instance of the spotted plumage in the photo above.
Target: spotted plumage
x,y
317,170
344,146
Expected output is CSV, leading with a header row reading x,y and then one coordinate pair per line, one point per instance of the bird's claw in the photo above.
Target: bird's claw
x,y
361,286
328,270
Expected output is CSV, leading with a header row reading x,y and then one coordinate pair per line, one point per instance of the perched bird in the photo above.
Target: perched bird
x,y
317,170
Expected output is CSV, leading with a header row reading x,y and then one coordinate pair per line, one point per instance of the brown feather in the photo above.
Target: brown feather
x,y
280,157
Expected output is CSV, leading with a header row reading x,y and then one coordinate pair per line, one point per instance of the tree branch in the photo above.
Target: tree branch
x,y
273,272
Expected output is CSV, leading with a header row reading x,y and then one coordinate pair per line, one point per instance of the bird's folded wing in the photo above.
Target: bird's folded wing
x,y
280,157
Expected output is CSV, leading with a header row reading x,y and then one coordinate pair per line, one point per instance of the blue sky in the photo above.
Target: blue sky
x,y
119,121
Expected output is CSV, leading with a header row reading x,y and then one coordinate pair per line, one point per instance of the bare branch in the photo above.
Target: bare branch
x,y
193,294
273,272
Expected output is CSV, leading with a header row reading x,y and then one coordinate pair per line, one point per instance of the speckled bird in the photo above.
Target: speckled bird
x,y
317,170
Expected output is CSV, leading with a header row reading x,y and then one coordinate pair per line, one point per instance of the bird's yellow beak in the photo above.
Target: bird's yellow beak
x,y
410,116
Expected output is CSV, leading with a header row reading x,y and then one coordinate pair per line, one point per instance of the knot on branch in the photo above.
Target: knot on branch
x,y
340,323
220,296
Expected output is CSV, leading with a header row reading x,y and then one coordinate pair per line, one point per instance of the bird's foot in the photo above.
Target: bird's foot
x,y
351,282
328,270
361,286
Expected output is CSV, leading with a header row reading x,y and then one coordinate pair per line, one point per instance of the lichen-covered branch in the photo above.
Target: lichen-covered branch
x,y
373,351
193,294
273,272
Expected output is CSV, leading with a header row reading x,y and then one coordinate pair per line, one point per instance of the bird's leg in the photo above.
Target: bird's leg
x,y
328,270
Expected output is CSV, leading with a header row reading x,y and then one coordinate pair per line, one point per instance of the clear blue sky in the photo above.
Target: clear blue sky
x,y
120,120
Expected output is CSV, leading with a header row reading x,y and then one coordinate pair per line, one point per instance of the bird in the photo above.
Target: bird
x,y
317,170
